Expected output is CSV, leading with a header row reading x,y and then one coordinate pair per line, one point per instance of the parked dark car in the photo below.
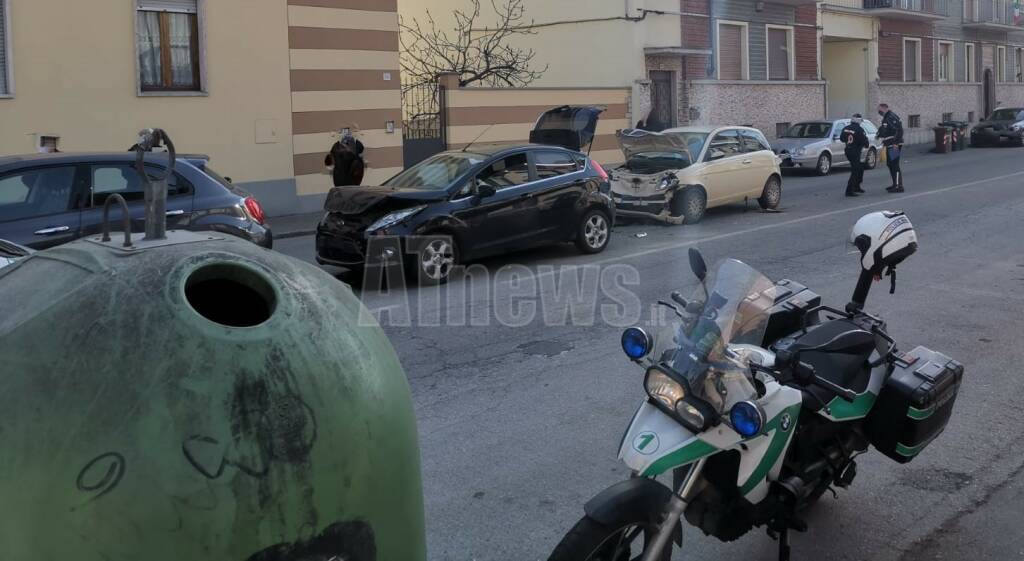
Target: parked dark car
x,y
480,201
51,199
1004,123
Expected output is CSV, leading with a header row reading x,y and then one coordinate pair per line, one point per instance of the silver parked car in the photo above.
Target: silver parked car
x,y
815,145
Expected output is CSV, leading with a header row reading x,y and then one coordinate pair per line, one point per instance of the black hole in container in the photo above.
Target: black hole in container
x,y
230,295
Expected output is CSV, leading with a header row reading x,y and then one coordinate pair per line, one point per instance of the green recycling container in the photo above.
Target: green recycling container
x,y
203,399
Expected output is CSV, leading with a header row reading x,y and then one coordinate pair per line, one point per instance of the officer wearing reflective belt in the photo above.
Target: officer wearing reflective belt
x,y
891,134
855,141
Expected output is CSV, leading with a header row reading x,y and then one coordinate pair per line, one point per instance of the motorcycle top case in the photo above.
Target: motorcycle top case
x,y
791,301
915,403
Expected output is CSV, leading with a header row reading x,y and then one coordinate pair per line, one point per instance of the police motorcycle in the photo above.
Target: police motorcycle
x,y
758,401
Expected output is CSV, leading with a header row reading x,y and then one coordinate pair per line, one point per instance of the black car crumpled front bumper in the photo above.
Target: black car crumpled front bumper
x,y
342,241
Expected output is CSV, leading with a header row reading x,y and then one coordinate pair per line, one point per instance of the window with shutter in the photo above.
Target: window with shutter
x,y
779,54
731,51
4,55
911,60
168,45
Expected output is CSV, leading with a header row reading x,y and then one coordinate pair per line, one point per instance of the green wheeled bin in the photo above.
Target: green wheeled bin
x,y
199,398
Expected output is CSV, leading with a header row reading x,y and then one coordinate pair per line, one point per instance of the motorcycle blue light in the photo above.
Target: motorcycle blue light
x,y
636,343
747,418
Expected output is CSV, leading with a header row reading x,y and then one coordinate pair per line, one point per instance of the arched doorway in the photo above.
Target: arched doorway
x,y
989,89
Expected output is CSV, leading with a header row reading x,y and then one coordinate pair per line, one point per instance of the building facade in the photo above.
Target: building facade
x,y
262,87
771,63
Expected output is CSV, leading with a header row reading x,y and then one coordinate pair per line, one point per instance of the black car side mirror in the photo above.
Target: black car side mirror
x,y
484,190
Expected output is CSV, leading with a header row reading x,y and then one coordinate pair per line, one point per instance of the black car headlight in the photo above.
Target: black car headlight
x,y
671,393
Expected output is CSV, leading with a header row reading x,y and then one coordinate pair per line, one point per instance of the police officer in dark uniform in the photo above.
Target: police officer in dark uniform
x,y
855,141
891,133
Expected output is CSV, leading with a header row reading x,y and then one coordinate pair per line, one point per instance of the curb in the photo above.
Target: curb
x,y
293,234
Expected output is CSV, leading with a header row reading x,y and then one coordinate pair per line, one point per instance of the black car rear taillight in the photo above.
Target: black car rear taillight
x,y
255,210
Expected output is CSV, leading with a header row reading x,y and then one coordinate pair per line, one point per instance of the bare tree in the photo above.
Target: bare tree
x,y
477,55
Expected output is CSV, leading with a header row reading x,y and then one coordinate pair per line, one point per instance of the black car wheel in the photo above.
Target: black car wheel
x,y
434,261
594,232
690,203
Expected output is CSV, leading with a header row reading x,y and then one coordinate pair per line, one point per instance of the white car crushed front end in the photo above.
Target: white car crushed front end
x,y
645,186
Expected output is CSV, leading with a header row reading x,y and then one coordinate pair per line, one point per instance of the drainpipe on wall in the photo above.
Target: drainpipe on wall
x,y
711,66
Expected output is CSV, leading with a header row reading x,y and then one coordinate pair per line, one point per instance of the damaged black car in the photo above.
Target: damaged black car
x,y
458,206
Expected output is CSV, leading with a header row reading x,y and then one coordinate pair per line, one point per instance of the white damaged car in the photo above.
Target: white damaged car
x,y
675,175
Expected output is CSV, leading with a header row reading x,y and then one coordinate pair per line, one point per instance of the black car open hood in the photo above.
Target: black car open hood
x,y
358,200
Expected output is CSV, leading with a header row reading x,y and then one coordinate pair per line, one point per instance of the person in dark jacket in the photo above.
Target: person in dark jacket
x,y
346,157
891,133
855,141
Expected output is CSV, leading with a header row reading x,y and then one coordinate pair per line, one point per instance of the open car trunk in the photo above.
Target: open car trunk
x,y
571,127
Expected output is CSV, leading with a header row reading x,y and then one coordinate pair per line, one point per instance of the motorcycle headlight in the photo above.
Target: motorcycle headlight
x,y
673,397
663,389
394,218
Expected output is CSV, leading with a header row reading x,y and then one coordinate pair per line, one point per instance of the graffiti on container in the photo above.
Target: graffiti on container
x,y
100,475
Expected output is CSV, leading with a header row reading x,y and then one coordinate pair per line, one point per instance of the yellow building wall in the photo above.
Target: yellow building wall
x,y
605,50
75,69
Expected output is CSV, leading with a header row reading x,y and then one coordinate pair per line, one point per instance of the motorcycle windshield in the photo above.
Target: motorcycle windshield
x,y
703,347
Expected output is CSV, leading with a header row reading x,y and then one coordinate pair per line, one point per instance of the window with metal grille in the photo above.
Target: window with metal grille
x,y
780,53
780,129
947,117
914,122
168,45
970,116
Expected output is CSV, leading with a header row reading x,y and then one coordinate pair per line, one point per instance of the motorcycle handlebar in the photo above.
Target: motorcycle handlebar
x,y
806,375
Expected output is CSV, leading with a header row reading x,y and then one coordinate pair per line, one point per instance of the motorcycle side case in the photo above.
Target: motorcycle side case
x,y
791,300
915,403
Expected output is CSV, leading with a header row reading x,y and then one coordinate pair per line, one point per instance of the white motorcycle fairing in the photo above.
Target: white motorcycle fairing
x,y
656,443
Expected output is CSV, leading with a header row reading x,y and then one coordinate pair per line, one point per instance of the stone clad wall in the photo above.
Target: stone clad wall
x,y
906,100
761,104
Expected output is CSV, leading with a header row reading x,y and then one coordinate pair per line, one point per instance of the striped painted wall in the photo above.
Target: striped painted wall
x,y
344,73
511,113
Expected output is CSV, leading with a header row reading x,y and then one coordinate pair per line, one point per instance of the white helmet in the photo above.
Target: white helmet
x,y
884,239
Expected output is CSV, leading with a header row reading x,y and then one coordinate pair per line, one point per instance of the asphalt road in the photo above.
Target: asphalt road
x,y
520,417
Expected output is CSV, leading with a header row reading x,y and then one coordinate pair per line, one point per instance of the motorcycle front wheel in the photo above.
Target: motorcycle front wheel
x,y
590,540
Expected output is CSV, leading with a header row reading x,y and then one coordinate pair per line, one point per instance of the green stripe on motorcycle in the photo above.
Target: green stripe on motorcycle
x,y
775,447
689,453
909,451
920,414
840,409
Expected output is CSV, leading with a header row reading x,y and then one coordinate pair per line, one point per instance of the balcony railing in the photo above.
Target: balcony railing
x,y
905,9
923,7
991,13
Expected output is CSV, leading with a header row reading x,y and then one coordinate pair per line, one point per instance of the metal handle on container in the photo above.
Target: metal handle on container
x,y
126,221
156,191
